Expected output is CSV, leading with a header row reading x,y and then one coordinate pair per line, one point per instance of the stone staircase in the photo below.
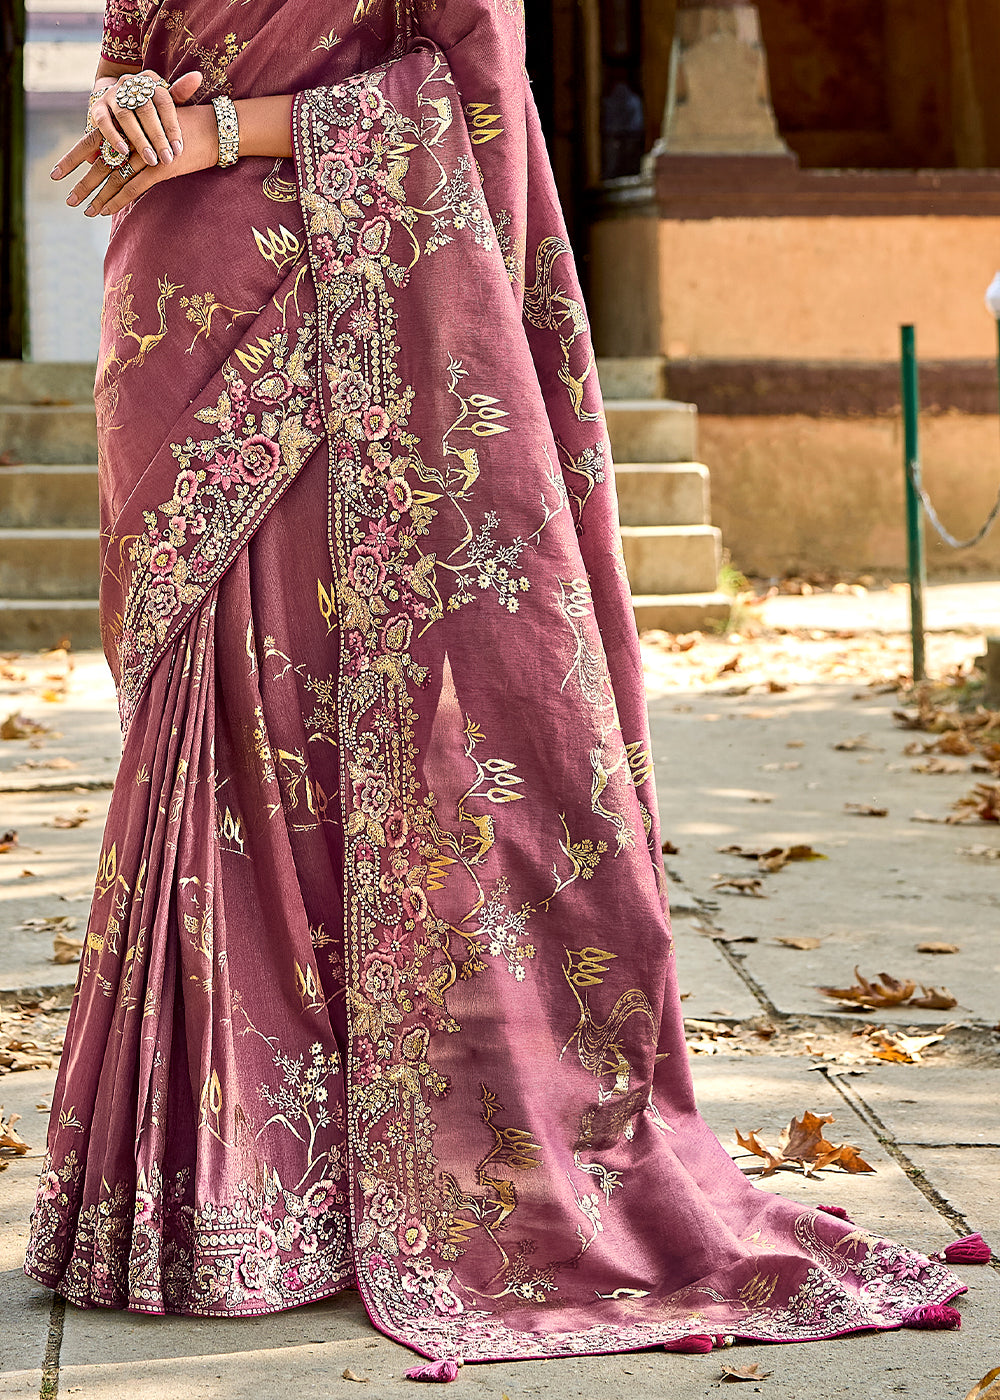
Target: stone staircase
x,y
49,521
672,551
49,534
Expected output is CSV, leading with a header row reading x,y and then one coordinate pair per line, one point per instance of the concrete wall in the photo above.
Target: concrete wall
x,y
794,494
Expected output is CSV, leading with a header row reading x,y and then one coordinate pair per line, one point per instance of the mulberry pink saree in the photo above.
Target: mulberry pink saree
x,y
378,985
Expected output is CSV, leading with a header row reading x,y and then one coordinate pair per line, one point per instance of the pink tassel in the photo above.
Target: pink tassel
x,y
970,1249
697,1344
936,1317
838,1211
446,1370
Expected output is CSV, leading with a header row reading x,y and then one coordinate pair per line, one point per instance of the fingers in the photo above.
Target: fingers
x,y
185,87
118,195
86,149
169,125
106,182
143,132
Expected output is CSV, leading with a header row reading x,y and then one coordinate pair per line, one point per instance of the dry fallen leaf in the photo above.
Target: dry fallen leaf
x,y
988,1388
67,823
940,765
744,1373
865,809
979,852
772,858
982,804
8,841
803,1147
899,1047
12,1144
938,948
54,923
18,726
934,999
742,885
669,849
888,991
66,950
802,945
350,1376
861,741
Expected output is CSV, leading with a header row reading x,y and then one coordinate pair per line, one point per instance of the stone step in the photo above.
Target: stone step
x,y
22,382
49,563
29,624
47,495
633,377
654,494
672,558
48,434
681,612
652,430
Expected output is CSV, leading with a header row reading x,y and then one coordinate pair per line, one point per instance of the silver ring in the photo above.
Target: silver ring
x,y
125,171
112,157
135,90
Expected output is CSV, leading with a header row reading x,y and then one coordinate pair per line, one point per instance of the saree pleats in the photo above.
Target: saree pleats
x,y
379,984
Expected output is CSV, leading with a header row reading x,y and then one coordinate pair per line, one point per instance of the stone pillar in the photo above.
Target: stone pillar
x,y
719,100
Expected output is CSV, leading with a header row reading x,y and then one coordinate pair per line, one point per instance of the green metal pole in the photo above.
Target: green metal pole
x,y
916,563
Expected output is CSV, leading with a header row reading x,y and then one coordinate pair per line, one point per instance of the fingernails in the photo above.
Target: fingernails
x,y
73,199
149,156
178,146
121,147
54,172
90,211
166,155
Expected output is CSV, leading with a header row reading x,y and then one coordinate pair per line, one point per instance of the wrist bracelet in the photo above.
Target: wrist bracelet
x,y
229,130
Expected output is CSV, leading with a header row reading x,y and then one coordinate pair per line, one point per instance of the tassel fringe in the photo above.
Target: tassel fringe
x,y
936,1317
838,1211
446,1370
970,1249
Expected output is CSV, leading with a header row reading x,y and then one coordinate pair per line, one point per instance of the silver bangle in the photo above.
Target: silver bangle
x,y
229,130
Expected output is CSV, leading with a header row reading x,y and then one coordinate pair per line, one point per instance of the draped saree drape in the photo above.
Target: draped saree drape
x,y
378,986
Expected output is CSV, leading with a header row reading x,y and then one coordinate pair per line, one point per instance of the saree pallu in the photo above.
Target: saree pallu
x,y
378,986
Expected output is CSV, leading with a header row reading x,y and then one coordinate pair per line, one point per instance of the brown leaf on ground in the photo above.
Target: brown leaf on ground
x,y
58,764
18,726
884,991
934,999
934,764
988,1388
979,852
865,809
727,669
744,1373
66,950
802,945
938,948
901,1048
982,804
803,1147
350,1376
53,923
8,841
772,858
860,741
669,849
742,885
12,1144
67,823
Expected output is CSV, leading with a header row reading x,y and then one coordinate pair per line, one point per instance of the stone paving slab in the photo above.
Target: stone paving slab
x,y
709,986
83,731
969,1180
887,883
938,1104
947,607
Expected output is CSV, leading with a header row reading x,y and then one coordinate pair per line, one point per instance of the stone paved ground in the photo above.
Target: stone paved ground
x,y
745,736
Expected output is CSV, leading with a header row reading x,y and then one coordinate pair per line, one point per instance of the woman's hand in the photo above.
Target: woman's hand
x,y
154,124
199,140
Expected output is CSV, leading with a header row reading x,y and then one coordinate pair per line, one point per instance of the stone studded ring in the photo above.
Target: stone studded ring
x,y
113,158
135,90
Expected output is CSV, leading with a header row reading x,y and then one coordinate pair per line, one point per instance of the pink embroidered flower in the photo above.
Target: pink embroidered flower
x,y
260,457
179,524
413,1236
273,388
372,102
379,977
224,469
199,524
399,493
353,393
396,633
320,1198
415,903
358,660
420,1276
374,237
372,796
446,1302
383,536
144,1208
199,566
366,570
49,1186
311,417
162,599
290,1278
238,392
186,487
309,1244
377,424
396,829
363,323
336,176
267,1241
352,143
385,1208
162,559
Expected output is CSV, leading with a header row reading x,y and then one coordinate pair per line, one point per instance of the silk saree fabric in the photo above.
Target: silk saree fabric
x,y
378,987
